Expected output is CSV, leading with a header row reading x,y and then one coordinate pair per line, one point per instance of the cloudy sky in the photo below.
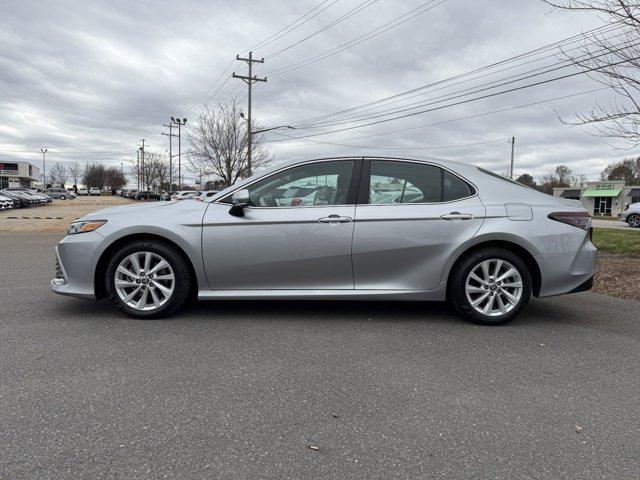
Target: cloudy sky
x,y
88,79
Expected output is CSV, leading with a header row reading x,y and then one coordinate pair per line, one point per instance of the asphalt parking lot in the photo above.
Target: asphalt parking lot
x,y
241,390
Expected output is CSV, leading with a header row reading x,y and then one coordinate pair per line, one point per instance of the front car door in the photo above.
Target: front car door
x,y
291,242
410,218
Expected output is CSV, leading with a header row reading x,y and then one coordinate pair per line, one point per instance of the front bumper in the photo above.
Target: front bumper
x,y
76,260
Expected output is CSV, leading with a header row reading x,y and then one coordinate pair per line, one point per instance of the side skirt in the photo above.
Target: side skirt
x,y
408,295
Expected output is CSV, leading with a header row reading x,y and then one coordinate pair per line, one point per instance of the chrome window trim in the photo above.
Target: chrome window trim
x,y
333,159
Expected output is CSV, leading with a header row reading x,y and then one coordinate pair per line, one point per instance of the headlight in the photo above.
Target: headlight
x,y
84,226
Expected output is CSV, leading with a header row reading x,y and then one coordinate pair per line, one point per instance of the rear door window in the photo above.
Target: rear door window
x,y
398,182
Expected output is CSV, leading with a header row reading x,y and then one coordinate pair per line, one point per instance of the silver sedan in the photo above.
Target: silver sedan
x,y
445,231
631,215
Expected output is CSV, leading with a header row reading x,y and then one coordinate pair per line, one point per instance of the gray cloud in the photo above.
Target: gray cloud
x,y
89,79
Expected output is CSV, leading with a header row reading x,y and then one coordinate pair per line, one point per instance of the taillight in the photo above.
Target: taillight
x,y
296,202
576,219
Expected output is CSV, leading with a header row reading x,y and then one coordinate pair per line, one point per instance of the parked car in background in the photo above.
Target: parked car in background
x,y
146,195
60,193
30,193
284,197
95,191
631,215
479,240
203,195
5,203
43,197
184,195
83,191
131,193
166,196
21,199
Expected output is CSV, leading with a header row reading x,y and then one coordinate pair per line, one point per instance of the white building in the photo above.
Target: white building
x,y
18,174
603,197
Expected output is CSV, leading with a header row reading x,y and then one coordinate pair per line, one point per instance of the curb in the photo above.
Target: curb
x,y
35,218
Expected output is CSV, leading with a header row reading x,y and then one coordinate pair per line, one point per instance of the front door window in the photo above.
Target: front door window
x,y
313,184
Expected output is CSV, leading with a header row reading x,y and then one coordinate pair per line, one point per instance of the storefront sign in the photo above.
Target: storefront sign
x,y
9,168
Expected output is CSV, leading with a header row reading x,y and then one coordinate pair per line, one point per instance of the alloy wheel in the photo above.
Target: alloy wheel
x,y
494,287
144,281
634,221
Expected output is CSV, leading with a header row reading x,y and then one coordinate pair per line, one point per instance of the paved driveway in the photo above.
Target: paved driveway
x,y
240,390
612,224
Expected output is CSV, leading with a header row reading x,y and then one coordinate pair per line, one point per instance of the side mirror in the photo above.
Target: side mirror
x,y
240,200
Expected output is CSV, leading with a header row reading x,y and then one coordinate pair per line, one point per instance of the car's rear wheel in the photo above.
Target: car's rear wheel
x,y
633,220
148,279
491,286
63,197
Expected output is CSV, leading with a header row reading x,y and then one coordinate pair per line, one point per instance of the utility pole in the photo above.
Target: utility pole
x,y
44,167
513,146
138,168
170,135
249,80
142,161
180,123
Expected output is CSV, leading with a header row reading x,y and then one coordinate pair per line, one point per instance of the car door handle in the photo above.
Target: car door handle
x,y
334,219
457,216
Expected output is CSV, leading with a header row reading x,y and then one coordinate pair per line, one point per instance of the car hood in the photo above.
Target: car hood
x,y
133,209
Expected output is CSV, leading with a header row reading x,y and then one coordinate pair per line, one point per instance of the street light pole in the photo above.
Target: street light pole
x,y
170,135
44,167
180,123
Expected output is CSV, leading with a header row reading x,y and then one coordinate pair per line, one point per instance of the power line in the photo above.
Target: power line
x,y
371,34
358,8
568,40
478,115
490,95
282,32
206,93
460,93
466,117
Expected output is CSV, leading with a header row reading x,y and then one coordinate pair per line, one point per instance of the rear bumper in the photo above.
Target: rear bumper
x,y
583,287
568,273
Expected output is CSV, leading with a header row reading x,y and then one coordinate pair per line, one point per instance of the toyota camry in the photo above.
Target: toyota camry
x,y
368,228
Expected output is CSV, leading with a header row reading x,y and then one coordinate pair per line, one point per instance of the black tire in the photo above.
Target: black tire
x,y
458,295
633,220
181,271
63,197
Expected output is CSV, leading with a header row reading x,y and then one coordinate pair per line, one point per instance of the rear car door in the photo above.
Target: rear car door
x,y
410,218
290,244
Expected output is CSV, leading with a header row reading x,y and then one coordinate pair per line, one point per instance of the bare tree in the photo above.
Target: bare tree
x,y
153,172
114,178
74,172
58,173
218,144
627,170
95,176
614,61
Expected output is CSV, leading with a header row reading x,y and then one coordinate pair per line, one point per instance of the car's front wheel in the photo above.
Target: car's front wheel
x,y
634,220
63,197
491,286
148,279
